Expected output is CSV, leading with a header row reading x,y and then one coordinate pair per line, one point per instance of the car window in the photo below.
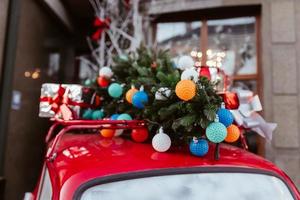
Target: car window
x,y
204,186
46,187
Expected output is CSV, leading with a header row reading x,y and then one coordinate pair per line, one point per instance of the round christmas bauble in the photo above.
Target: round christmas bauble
x,y
115,90
161,142
233,133
139,135
130,93
199,147
205,72
102,81
87,114
185,90
107,133
216,132
97,114
118,132
88,82
162,94
225,116
106,72
185,62
190,74
139,99
124,116
114,116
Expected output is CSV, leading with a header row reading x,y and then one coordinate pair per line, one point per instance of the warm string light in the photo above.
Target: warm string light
x,y
214,57
33,74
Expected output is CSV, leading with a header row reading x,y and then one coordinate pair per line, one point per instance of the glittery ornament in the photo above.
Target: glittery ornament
x,y
162,94
87,114
185,62
130,93
140,98
185,90
106,72
233,133
115,90
225,117
102,81
199,147
139,135
216,132
124,116
190,74
107,133
161,142
114,116
97,114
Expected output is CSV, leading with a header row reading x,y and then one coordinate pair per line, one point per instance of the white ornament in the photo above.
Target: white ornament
x,y
190,74
185,62
118,132
106,72
161,142
162,93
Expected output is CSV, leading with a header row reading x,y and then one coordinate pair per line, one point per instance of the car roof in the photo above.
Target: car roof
x,y
92,156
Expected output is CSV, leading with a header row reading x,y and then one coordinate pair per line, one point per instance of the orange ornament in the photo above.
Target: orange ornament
x,y
233,133
107,133
130,93
185,89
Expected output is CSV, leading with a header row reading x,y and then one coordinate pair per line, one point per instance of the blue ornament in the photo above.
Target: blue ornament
x,y
115,90
199,147
97,114
124,116
139,99
114,116
88,82
216,132
225,117
87,114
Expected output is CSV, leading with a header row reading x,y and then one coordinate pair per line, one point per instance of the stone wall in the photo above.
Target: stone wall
x,y
280,49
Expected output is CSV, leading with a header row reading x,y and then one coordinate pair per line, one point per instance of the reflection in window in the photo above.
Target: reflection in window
x,y
232,45
181,38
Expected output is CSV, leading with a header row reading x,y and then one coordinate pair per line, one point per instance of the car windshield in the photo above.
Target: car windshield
x,y
203,186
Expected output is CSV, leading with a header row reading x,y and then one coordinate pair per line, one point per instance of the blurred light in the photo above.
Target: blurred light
x,y
209,52
193,53
35,75
199,54
27,74
197,64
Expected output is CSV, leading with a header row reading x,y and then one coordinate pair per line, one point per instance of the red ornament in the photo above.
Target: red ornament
x,y
97,101
204,71
139,135
102,81
231,100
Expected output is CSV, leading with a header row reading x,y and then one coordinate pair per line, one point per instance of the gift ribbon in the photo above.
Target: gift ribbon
x,y
101,25
60,103
246,115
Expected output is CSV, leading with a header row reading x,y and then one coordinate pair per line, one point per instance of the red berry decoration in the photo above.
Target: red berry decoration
x,y
102,81
139,135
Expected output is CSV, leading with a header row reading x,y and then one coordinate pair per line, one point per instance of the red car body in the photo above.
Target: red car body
x,y
83,160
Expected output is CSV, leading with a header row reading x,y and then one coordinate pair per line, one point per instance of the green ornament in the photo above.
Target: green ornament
x,y
216,132
124,116
115,90
87,114
97,114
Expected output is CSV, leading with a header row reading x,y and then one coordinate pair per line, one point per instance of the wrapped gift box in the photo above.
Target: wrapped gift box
x,y
64,101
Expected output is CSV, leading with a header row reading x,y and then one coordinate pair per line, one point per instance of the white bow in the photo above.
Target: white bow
x,y
246,115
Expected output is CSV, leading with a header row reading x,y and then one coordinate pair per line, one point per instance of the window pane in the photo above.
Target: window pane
x,y
181,38
232,45
213,186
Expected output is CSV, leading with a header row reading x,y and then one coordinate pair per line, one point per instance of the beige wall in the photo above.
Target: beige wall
x,y
280,60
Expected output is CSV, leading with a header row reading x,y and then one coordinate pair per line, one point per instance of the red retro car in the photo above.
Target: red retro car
x,y
82,165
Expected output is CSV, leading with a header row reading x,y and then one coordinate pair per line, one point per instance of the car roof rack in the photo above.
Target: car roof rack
x,y
85,124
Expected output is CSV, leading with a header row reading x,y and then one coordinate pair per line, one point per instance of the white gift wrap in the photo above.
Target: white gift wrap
x,y
74,93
